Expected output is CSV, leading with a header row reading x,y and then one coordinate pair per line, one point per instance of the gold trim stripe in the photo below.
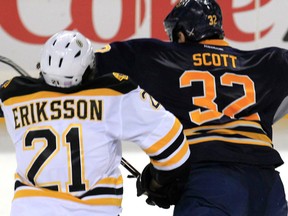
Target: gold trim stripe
x,y
216,42
239,123
166,139
251,135
47,94
173,160
63,196
230,140
111,181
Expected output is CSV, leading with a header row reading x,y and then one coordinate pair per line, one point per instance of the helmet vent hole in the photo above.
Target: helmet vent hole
x,y
54,42
78,54
60,63
49,60
67,45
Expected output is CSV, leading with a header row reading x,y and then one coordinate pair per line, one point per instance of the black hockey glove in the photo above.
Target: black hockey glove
x,y
160,195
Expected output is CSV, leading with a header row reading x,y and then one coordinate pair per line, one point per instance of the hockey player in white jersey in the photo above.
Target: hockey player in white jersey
x,y
67,131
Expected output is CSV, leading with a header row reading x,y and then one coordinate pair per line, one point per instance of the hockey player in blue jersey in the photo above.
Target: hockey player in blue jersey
x,y
227,100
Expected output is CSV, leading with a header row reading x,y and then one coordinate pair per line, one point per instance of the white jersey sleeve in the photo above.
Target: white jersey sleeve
x,y
154,129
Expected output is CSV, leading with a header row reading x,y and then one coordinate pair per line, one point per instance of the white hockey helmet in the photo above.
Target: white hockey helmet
x,y
65,58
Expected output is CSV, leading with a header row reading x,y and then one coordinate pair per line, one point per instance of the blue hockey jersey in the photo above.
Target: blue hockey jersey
x,y
227,99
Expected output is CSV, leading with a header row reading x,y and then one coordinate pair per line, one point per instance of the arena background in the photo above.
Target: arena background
x,y
26,24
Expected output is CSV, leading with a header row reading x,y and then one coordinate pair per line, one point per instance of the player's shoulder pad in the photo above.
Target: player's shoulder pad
x,y
18,80
115,81
121,82
17,86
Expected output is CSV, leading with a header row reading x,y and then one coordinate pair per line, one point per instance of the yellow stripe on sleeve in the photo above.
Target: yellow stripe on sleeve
x,y
166,139
111,181
173,160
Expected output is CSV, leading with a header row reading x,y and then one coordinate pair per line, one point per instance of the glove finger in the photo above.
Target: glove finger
x,y
165,206
160,203
149,201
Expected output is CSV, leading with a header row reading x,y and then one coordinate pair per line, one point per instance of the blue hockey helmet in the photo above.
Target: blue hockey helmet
x,y
197,19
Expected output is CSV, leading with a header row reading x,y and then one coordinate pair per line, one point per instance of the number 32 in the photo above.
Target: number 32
x,y
210,94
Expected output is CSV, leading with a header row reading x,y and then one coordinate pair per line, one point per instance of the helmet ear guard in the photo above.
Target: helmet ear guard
x,y
66,56
197,19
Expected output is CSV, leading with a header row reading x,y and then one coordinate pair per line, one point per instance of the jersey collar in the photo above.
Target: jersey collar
x,y
216,42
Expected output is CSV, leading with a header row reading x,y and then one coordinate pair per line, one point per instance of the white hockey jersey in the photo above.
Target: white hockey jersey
x,y
68,141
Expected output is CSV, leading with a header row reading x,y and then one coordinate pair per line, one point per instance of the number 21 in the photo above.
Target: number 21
x,y
50,138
